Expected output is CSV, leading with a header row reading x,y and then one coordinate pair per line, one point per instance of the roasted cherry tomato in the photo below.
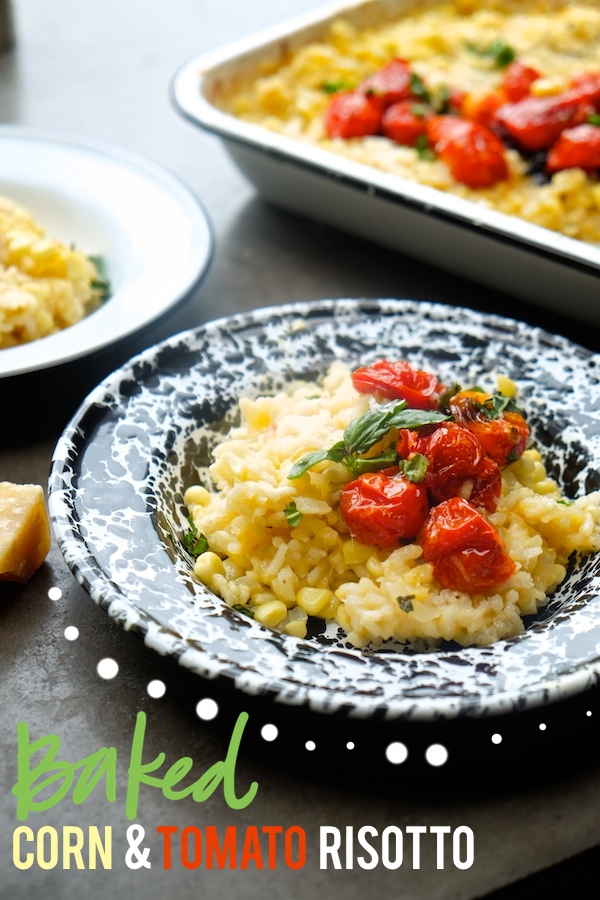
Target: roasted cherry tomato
x,y
352,114
517,80
389,85
483,109
474,155
458,465
399,381
383,508
405,122
576,148
503,435
586,88
535,123
465,549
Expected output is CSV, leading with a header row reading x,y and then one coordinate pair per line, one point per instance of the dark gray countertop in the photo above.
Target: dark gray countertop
x,y
102,70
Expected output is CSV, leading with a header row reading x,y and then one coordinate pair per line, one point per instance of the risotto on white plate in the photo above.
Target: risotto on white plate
x,y
400,507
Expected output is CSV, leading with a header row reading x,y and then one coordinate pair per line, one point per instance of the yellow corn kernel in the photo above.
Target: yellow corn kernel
x,y
196,495
313,600
355,552
271,614
374,567
547,87
207,566
329,611
296,628
262,597
506,386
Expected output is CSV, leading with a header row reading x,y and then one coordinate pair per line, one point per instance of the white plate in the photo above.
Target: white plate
x,y
149,228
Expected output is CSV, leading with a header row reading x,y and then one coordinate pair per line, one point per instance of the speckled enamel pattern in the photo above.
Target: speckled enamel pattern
x,y
145,434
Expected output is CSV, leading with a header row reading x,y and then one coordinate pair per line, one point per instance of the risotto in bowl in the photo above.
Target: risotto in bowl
x,y
210,496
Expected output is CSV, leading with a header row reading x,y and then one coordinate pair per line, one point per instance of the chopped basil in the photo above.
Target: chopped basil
x,y
594,119
499,51
333,87
441,103
496,405
101,283
293,516
194,542
419,110
405,603
423,149
244,610
363,433
418,88
448,395
565,502
415,468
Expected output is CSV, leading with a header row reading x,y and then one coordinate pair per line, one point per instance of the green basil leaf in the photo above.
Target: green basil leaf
x,y
334,454
358,465
194,542
362,433
418,88
415,418
333,87
244,610
293,516
415,468
405,603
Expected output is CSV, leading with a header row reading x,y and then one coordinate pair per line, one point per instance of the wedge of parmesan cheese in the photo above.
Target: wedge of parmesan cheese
x,y
24,531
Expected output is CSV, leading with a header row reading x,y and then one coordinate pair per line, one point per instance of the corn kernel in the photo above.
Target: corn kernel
x,y
313,600
262,597
297,628
355,552
506,386
196,495
207,566
329,611
271,614
374,567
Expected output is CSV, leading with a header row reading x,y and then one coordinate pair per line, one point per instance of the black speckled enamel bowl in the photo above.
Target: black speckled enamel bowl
x,y
121,468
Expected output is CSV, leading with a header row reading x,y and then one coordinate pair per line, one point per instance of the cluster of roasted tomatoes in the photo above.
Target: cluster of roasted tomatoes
x,y
459,464
471,134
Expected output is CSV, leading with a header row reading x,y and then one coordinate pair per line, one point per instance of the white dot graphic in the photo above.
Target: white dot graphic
x,y
496,739
55,593
350,745
156,689
436,755
589,712
396,753
107,668
207,709
310,745
269,732
542,726
71,633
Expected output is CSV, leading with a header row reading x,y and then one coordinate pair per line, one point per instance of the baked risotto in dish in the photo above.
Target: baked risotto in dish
x,y
401,507
45,286
498,102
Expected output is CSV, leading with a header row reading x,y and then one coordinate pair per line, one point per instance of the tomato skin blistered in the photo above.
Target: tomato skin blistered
x,y
465,549
473,153
391,84
384,508
503,437
575,148
458,464
398,380
352,114
402,124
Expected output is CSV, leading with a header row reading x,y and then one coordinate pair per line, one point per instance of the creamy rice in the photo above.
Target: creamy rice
x,y
277,569
45,286
559,40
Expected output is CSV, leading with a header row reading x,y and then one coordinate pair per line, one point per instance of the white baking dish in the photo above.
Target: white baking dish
x,y
490,247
